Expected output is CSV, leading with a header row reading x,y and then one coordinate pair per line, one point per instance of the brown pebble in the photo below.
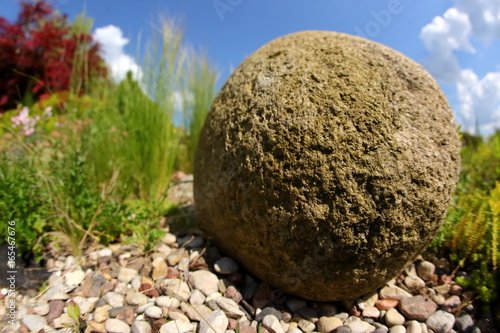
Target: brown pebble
x,y
233,293
247,329
56,310
157,324
107,286
231,325
417,307
386,304
136,263
24,329
147,267
445,279
455,289
172,273
149,290
451,303
286,316
127,315
103,260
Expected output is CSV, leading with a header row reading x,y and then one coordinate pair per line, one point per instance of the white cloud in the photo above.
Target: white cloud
x,y
442,37
480,100
455,30
484,16
112,42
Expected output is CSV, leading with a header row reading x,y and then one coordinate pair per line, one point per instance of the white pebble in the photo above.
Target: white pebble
x,y
217,321
167,302
117,325
140,326
272,324
153,312
204,281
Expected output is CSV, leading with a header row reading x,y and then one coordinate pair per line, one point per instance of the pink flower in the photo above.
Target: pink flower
x,y
23,119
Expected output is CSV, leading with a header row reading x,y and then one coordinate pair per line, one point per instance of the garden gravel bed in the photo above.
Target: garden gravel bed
x,y
184,284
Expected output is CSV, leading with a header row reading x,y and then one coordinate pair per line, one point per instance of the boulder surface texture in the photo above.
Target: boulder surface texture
x,y
326,164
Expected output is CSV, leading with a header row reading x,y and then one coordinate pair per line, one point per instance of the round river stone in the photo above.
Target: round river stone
x,y
326,164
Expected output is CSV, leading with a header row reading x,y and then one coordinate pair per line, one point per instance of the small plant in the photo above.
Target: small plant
x,y
73,311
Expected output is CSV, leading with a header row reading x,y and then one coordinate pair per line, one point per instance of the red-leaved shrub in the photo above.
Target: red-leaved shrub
x,y
40,54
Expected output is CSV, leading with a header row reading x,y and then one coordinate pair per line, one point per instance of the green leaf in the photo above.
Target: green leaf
x,y
73,310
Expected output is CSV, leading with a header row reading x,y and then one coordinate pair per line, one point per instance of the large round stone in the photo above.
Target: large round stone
x,y
326,164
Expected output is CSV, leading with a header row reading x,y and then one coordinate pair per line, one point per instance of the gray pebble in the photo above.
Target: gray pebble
x,y
113,312
34,322
440,322
268,311
342,316
464,323
343,329
309,314
226,265
295,304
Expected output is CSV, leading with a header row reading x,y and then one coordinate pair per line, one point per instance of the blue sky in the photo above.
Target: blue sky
x,y
458,41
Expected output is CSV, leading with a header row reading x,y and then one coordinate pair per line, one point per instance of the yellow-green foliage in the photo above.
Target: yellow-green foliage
x,y
494,203
471,232
477,230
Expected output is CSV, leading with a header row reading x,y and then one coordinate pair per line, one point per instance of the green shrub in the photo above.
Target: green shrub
x,y
97,169
471,231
